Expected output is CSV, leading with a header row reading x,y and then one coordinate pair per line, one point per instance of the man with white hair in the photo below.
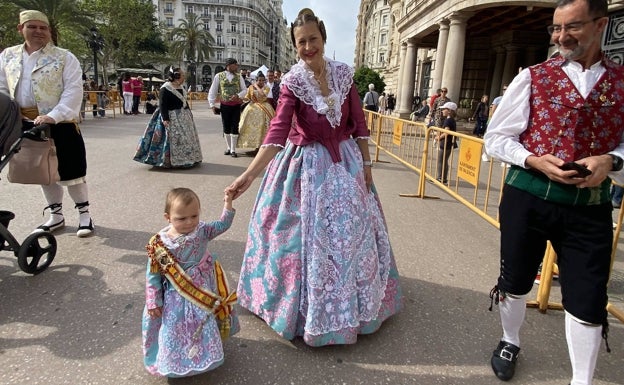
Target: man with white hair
x,y
46,81
371,99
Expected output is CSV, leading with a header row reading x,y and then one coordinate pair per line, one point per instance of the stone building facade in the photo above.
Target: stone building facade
x,y
254,32
472,47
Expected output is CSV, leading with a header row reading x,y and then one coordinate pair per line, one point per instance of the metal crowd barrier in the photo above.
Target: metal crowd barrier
x,y
92,100
475,182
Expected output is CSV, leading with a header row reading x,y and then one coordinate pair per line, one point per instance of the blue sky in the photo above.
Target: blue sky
x,y
340,18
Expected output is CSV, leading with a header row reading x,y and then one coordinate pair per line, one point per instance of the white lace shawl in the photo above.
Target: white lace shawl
x,y
300,81
177,93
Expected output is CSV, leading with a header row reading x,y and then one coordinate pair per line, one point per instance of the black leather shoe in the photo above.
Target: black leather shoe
x,y
504,360
234,155
227,152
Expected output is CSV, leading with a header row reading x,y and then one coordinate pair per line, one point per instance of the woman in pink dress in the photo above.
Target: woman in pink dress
x,y
318,261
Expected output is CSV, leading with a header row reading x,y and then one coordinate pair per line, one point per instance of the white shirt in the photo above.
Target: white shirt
x,y
214,87
270,94
502,138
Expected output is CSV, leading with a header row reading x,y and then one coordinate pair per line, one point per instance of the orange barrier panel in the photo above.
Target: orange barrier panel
x,y
94,98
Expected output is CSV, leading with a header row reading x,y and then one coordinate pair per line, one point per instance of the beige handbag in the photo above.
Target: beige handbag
x,y
35,163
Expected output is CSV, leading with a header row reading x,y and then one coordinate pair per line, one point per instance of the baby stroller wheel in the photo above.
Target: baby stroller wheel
x,y
36,252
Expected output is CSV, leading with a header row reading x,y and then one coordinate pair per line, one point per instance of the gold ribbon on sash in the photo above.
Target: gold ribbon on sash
x,y
256,100
218,304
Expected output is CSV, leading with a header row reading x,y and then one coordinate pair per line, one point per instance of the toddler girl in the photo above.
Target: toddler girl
x,y
188,306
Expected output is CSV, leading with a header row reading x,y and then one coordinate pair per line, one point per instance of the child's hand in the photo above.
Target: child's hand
x,y
155,313
227,199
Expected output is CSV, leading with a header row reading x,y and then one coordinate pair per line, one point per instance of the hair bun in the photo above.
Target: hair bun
x,y
306,11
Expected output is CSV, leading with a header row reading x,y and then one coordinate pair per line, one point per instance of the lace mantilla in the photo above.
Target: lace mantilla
x,y
182,96
300,80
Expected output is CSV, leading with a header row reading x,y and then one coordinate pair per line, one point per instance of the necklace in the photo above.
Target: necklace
x,y
321,76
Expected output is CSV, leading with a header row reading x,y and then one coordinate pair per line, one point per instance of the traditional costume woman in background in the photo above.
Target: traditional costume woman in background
x,y
170,139
255,118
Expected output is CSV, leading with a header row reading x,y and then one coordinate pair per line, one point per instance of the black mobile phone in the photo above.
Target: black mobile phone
x,y
581,170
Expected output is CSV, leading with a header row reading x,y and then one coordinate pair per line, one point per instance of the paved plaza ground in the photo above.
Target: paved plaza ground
x,y
79,321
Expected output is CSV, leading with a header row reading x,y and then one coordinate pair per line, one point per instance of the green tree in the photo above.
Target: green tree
x,y
9,18
365,76
64,15
191,41
128,28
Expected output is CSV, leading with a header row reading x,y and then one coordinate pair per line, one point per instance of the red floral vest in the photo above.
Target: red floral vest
x,y
564,124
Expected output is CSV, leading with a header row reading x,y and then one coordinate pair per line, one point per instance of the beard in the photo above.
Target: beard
x,y
580,49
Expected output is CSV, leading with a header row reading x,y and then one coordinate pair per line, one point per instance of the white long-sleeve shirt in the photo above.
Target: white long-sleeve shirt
x,y
502,138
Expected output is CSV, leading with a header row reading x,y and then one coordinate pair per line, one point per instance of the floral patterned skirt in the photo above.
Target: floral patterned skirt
x,y
318,261
177,146
253,125
186,340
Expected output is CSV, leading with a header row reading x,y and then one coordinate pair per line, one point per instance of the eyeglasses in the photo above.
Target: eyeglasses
x,y
574,27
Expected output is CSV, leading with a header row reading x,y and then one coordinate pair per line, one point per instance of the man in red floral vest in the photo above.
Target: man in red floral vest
x,y
569,109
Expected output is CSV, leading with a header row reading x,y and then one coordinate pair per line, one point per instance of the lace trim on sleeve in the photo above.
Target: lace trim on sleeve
x,y
362,137
273,145
300,81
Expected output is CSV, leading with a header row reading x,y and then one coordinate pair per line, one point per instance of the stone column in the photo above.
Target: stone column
x,y
407,85
454,58
497,76
511,64
436,80
531,56
402,57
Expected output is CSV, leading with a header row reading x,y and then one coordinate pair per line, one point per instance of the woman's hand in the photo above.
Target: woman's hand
x,y
368,177
239,186
155,313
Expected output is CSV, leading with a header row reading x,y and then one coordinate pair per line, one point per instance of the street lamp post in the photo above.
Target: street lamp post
x,y
95,42
192,66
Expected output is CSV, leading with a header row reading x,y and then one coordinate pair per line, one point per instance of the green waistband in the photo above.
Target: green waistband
x,y
538,184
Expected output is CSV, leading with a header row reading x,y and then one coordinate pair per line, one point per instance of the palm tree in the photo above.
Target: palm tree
x,y
192,41
66,14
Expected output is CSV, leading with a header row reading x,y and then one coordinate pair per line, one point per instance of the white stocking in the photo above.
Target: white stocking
x,y
227,141
234,139
583,343
53,195
80,195
512,311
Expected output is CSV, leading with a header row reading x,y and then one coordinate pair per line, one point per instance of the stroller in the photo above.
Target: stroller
x,y
38,250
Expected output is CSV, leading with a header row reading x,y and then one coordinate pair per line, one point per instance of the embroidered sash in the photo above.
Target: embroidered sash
x,y
259,103
218,304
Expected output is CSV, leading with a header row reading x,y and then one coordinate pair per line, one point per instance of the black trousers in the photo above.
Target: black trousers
x,y
582,237
136,100
230,116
